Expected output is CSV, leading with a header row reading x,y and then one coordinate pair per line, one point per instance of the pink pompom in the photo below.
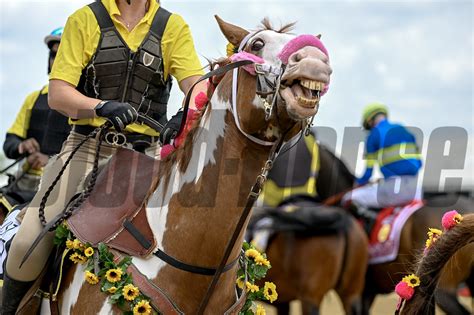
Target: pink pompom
x,y
404,290
201,100
450,219
166,150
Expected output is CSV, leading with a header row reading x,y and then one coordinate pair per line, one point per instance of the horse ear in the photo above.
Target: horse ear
x,y
234,34
318,36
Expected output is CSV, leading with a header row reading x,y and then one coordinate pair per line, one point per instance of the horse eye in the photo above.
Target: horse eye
x,y
257,45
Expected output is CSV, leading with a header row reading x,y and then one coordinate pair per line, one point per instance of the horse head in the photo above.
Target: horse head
x,y
280,91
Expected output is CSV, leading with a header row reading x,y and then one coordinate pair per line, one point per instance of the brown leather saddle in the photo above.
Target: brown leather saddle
x,y
115,209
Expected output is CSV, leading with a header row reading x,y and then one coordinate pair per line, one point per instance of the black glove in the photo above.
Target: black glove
x,y
170,130
119,114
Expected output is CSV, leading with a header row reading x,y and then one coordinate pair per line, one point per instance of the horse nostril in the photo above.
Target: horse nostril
x,y
296,57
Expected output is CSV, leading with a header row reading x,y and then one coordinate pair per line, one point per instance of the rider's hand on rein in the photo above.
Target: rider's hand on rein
x,y
119,114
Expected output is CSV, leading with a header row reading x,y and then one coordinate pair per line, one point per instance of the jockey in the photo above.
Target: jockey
x,y
37,132
116,60
395,150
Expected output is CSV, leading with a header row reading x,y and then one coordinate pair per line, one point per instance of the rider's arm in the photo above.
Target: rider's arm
x,y
372,147
64,98
10,146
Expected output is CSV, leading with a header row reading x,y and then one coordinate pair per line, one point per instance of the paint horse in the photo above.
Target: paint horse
x,y
201,188
431,264
306,268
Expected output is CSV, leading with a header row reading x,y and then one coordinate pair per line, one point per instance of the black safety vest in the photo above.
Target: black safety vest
x,y
117,73
49,127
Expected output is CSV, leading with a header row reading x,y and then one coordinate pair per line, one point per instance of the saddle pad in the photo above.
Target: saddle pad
x,y
384,238
119,195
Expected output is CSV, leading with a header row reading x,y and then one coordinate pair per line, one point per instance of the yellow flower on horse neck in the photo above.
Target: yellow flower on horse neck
x,y
130,292
113,275
69,244
252,253
112,290
240,283
433,235
91,278
76,244
252,287
411,280
269,291
458,218
142,307
260,310
260,260
78,258
89,252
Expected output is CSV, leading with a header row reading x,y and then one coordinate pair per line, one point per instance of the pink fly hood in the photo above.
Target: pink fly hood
x,y
300,42
243,55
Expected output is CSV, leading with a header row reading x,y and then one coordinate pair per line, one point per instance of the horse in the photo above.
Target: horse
x,y
306,268
382,278
201,187
432,263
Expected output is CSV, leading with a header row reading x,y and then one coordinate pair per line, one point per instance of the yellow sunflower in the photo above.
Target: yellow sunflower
x,y
240,283
76,244
113,275
252,253
260,260
230,49
142,307
252,287
89,252
112,290
78,258
269,291
458,218
91,278
411,280
130,292
69,244
433,235
260,310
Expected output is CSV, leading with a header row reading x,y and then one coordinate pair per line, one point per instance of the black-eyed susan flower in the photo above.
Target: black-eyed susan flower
x,y
240,283
112,290
130,292
411,280
260,260
76,244
260,310
91,278
142,307
433,235
69,244
252,287
269,291
252,253
89,251
78,258
230,49
113,275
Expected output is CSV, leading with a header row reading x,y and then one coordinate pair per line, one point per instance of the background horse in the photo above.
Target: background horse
x,y
306,268
201,188
382,278
432,264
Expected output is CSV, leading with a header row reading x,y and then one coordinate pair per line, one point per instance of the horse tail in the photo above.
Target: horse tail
x,y
430,265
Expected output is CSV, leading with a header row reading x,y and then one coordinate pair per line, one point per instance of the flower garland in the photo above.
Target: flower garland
x,y
100,267
406,288
257,266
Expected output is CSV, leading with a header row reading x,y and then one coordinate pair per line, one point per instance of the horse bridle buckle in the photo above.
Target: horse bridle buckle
x,y
116,139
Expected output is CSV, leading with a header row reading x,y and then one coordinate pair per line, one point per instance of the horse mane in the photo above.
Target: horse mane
x,y
429,266
267,25
339,163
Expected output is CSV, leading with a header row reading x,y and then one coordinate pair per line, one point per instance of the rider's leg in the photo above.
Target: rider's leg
x,y
398,191
31,226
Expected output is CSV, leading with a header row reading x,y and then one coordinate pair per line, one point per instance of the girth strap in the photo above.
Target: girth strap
x,y
132,229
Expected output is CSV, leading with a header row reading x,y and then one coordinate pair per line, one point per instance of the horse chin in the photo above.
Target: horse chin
x,y
298,107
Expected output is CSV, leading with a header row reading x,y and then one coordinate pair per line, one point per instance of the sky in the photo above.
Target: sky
x,y
414,56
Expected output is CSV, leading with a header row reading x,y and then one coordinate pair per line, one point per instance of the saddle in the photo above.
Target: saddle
x,y
115,209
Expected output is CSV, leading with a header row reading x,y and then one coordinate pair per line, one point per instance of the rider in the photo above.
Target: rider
x,y
38,132
115,60
395,150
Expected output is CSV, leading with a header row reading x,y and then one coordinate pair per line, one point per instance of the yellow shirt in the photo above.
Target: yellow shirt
x,y
81,37
22,121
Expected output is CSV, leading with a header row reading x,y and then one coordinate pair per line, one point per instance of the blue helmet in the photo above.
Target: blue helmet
x,y
54,37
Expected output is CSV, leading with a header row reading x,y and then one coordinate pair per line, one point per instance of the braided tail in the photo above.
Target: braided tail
x,y
430,265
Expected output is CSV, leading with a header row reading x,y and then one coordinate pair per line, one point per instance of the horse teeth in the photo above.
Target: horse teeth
x,y
306,102
312,85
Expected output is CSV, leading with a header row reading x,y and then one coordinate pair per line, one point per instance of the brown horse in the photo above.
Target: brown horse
x,y
431,265
306,268
202,187
382,278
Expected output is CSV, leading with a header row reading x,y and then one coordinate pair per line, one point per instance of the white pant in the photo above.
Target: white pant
x,y
389,192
